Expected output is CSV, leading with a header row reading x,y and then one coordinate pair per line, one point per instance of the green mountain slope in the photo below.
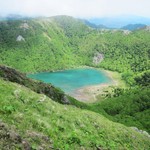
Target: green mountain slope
x,y
34,121
56,94
36,45
127,108
63,42
131,108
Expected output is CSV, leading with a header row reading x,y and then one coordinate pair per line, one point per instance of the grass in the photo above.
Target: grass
x,y
67,127
116,78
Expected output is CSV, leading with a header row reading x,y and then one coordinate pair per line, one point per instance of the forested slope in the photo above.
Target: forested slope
x,y
43,45
131,108
63,42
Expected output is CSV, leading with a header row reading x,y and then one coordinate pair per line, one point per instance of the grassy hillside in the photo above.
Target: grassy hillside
x,y
34,121
13,75
127,106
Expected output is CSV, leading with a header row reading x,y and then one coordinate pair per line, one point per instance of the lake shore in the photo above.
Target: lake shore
x,y
90,94
96,92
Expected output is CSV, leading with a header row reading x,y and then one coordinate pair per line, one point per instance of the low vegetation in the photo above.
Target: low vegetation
x,y
131,108
40,123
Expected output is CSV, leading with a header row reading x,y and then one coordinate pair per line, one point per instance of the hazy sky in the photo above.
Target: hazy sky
x,y
76,8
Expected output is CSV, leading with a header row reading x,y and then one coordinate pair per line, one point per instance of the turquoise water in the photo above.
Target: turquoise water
x,y
71,80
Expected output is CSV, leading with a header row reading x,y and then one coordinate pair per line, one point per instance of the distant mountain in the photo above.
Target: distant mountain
x,y
132,27
92,25
13,17
1,18
62,42
120,21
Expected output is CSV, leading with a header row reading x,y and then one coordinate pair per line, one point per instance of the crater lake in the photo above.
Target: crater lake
x,y
71,80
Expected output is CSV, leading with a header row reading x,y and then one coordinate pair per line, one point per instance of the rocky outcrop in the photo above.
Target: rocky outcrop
x,y
98,57
147,28
140,131
126,32
24,26
49,90
10,139
20,38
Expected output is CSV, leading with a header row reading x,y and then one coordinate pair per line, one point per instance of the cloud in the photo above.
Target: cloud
x,y
76,8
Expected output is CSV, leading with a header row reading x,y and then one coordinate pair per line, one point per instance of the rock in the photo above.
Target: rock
x,y
16,93
26,145
24,26
126,32
146,133
98,58
99,148
9,138
14,137
20,38
147,28
65,100
141,131
42,99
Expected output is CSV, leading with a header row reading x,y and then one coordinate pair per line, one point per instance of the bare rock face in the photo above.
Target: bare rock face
x,y
147,28
126,32
24,26
141,131
20,38
98,58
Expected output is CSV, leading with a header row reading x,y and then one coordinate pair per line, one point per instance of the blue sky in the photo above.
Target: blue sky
x,y
76,8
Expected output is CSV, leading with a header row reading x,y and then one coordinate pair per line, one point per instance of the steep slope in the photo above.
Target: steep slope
x,y
72,26
34,121
132,108
37,44
127,108
10,74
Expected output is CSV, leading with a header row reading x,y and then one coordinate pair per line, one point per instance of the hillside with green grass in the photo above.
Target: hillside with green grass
x,y
56,94
124,106
33,121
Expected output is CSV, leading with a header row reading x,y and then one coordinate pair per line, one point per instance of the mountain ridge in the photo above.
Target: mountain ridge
x,y
120,21
57,43
133,27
